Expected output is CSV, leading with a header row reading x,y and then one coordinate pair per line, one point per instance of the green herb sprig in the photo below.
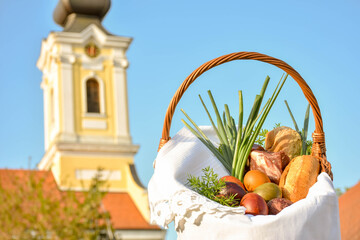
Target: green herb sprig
x,y
235,142
209,185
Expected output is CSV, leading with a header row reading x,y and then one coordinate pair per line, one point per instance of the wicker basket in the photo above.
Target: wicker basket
x,y
318,147
197,217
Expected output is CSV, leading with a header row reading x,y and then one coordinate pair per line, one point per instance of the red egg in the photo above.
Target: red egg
x,y
233,179
254,204
233,189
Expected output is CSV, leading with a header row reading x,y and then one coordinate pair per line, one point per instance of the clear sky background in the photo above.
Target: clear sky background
x,y
320,39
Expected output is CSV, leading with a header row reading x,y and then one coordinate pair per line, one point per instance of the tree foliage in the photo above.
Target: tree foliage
x,y
30,210
340,191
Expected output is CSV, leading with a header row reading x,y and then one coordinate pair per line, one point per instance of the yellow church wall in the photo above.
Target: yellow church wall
x,y
65,166
69,164
140,197
105,75
79,76
55,168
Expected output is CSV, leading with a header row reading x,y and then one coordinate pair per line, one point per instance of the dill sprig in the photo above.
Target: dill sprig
x,y
209,185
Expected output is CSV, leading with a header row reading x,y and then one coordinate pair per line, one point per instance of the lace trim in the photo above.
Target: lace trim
x,y
188,206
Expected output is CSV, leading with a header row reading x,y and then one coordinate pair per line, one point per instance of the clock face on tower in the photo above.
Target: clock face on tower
x,y
92,50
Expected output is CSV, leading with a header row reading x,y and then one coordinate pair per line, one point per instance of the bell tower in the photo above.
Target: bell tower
x,y
86,104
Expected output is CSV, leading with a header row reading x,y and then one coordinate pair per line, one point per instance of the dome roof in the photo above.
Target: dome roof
x,y
67,13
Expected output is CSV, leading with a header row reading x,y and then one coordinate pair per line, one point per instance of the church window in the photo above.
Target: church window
x,y
92,96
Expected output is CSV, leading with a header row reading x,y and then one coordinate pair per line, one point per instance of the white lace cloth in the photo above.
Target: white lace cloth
x,y
196,217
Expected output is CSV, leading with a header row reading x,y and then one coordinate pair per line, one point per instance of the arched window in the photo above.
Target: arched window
x,y
92,96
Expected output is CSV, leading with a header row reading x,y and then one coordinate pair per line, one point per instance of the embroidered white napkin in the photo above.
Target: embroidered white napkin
x,y
196,217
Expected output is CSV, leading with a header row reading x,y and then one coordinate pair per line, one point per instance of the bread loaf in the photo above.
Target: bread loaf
x,y
284,139
299,175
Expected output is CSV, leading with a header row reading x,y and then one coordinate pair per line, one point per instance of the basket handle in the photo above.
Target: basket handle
x,y
318,148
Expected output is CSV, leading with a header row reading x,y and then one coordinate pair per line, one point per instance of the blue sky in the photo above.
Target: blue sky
x,y
320,39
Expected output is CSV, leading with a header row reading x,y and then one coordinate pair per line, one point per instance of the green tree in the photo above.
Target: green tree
x,y
28,210
339,191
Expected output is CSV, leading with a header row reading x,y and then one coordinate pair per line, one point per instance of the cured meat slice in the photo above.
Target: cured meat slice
x,y
271,163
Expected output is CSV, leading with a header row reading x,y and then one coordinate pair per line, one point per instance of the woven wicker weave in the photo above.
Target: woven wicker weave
x,y
318,148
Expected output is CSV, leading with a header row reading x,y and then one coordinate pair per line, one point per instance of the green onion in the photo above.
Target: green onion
x,y
236,142
245,151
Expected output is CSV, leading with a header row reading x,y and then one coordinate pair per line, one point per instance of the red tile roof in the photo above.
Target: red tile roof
x,y
123,211
349,209
9,178
124,214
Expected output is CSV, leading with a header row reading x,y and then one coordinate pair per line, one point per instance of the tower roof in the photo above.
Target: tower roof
x,y
76,15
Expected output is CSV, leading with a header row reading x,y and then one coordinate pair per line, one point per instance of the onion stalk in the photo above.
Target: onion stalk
x,y
235,142
304,132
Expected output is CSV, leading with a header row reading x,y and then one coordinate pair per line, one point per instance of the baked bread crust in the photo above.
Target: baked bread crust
x,y
284,139
299,175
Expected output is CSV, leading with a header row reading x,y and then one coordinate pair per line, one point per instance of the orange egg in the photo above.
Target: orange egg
x,y
233,179
255,178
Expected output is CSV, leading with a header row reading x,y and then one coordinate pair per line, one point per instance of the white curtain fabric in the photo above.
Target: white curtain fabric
x,y
196,217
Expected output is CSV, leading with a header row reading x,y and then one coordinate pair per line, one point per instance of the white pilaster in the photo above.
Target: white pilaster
x,y
53,84
67,93
44,86
120,95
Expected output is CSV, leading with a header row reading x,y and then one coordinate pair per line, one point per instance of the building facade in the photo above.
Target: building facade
x,y
86,109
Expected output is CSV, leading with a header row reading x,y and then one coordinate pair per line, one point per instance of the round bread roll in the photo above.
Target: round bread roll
x,y
284,139
299,175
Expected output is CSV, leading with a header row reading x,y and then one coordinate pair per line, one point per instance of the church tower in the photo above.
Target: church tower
x,y
86,104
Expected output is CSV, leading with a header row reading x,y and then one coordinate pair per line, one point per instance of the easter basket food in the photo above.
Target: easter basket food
x,y
214,182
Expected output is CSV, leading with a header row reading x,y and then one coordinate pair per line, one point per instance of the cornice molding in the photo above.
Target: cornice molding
x,y
121,62
98,148
92,32
86,149
67,58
